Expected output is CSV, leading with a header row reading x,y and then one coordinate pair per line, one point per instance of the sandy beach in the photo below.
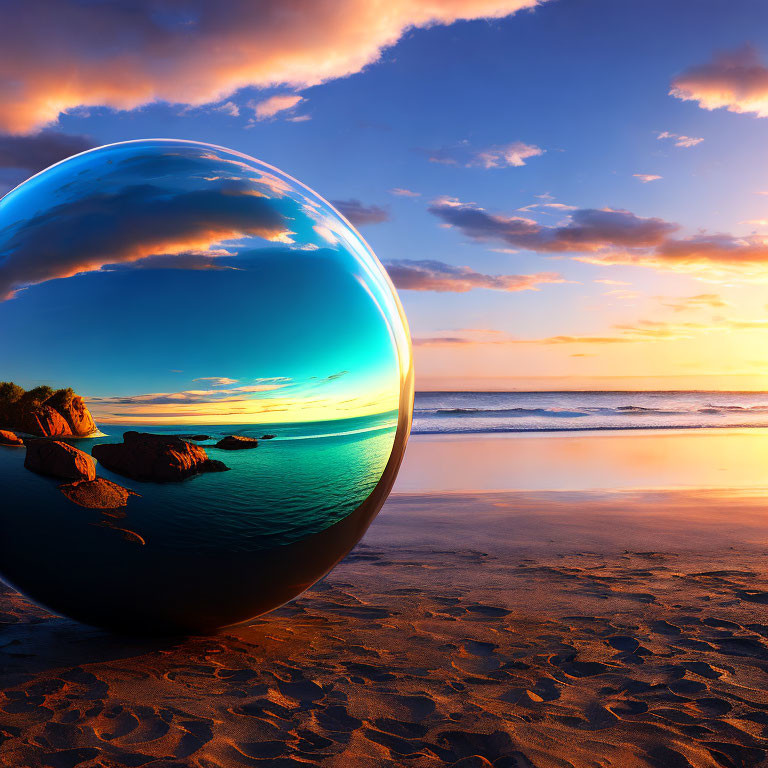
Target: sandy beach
x,y
508,628
383,384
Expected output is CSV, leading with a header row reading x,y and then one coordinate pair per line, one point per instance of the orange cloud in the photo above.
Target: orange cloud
x,y
699,301
713,256
59,55
735,80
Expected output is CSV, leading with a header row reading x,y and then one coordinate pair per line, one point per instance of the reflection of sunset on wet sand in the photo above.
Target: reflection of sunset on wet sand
x,y
721,459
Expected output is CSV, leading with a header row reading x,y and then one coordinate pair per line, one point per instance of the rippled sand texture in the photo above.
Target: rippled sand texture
x,y
497,629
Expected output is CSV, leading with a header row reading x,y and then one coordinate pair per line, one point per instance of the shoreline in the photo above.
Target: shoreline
x,y
587,460
506,390
718,494
567,430
505,629
698,520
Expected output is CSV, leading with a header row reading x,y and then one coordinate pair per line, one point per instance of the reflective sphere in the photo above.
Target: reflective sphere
x,y
220,372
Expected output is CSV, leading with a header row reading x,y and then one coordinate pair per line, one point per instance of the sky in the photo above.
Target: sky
x,y
569,194
171,282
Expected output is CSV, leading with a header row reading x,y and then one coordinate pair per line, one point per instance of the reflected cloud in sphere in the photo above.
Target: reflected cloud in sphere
x,y
204,300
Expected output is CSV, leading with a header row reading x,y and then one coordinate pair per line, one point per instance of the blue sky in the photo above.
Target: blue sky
x,y
172,282
579,95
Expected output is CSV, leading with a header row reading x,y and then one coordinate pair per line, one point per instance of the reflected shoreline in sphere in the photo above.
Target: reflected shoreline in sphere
x,y
263,314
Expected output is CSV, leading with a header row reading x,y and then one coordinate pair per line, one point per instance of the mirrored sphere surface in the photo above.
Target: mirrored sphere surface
x,y
211,375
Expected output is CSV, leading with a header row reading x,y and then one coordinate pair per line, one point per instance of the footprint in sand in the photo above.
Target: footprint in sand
x,y
623,643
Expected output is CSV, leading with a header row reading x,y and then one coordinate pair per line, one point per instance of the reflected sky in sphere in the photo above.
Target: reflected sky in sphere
x,y
196,283
183,288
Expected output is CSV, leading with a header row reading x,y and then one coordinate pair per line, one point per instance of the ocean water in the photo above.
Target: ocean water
x,y
304,480
218,547
468,412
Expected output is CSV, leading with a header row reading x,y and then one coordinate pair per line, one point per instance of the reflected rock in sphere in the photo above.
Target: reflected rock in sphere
x,y
155,458
10,438
57,459
216,304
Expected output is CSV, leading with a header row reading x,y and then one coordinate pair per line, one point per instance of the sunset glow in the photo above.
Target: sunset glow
x,y
555,241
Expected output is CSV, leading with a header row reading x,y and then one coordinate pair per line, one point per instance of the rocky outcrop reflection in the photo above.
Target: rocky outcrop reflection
x,y
155,458
51,457
237,442
98,493
44,412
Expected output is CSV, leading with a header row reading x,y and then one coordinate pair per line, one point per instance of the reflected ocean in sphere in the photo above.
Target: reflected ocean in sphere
x,y
186,290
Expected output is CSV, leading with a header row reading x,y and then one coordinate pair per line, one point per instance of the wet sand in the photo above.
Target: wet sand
x,y
587,460
512,629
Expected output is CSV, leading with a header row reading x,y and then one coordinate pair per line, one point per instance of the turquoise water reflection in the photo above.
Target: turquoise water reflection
x,y
296,485
183,288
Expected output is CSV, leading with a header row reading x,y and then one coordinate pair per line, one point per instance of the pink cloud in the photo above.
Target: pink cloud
x,y
642,331
735,80
446,278
514,154
498,156
59,55
679,139
269,108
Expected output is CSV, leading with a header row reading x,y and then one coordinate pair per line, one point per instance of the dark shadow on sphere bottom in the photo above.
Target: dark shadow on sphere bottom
x,y
173,595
